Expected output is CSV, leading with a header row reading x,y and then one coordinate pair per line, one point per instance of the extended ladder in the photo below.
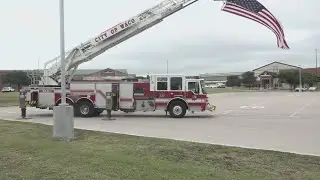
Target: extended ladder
x,y
92,48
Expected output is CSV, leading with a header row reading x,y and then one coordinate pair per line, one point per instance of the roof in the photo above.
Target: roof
x,y
276,62
221,74
91,71
86,71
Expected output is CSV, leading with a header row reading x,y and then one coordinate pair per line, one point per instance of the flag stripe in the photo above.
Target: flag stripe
x,y
261,16
268,13
256,20
257,12
279,24
252,16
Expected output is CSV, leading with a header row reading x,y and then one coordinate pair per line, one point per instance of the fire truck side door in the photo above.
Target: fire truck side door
x,y
126,96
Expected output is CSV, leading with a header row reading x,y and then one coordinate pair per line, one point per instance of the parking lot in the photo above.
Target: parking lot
x,y
284,121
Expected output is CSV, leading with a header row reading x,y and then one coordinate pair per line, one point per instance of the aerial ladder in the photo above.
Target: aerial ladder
x,y
99,44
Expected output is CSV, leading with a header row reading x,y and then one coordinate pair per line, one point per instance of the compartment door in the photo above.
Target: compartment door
x,y
126,96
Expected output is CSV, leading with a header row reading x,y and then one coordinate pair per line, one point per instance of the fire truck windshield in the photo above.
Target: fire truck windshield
x,y
202,84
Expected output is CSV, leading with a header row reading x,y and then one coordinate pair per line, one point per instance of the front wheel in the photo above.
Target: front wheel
x,y
177,109
84,109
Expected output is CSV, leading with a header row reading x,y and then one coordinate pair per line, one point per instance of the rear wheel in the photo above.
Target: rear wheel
x,y
177,109
84,109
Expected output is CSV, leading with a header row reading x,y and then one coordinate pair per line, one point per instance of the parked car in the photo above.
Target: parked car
x,y
7,89
312,89
302,89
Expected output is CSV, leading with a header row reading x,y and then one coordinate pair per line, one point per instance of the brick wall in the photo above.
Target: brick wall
x,y
312,71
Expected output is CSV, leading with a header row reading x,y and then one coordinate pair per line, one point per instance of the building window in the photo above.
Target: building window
x,y
162,83
176,83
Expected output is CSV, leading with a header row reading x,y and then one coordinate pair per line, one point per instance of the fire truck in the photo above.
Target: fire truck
x,y
175,94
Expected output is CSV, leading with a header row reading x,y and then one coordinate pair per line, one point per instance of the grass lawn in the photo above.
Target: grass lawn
x,y
9,99
27,151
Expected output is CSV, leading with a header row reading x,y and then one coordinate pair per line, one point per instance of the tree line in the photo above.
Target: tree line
x,y
290,77
16,78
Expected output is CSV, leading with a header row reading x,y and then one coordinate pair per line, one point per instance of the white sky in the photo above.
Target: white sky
x,y
198,39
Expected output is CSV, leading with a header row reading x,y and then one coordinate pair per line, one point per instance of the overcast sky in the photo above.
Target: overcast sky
x,y
198,39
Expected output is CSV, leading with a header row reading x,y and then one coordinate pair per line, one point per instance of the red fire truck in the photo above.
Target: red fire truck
x,y
173,93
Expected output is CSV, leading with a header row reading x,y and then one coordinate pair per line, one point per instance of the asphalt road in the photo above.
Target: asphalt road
x,y
282,121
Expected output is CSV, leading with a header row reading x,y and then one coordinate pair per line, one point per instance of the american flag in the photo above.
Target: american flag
x,y
255,11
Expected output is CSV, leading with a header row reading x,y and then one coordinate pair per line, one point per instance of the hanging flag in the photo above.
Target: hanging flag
x,y
255,11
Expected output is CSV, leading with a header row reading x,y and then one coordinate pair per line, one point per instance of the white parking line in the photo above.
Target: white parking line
x,y
12,112
227,111
300,110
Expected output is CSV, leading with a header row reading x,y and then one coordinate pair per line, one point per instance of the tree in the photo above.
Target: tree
x,y
248,79
17,78
233,81
309,79
291,77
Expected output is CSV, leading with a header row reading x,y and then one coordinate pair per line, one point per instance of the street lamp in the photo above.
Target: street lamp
x,y
167,66
317,63
63,123
62,55
300,81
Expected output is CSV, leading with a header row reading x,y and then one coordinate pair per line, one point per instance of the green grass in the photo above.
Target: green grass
x,y
9,99
27,151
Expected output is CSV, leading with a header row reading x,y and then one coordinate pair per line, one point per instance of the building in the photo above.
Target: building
x,y
314,71
267,75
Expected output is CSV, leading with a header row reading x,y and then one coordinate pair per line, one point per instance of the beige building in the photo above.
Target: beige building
x,y
267,75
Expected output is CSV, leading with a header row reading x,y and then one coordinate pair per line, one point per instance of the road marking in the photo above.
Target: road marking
x,y
244,107
300,110
252,107
227,111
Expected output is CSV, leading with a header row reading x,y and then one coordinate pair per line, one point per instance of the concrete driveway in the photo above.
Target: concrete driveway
x,y
283,121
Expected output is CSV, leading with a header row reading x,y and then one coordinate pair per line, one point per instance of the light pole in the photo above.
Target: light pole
x,y
62,55
316,62
63,123
167,67
300,79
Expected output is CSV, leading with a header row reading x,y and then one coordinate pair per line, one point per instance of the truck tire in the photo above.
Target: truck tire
x,y
177,109
85,109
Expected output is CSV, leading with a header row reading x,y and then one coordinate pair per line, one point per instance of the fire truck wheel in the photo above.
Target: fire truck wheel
x,y
177,109
85,109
